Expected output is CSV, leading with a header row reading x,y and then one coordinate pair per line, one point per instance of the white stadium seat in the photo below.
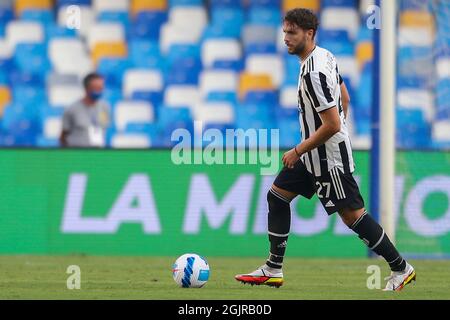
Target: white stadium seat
x,y
341,19
142,80
348,68
217,80
128,141
220,49
443,67
6,51
441,131
65,95
270,64
214,112
52,127
171,34
415,37
133,112
24,32
69,56
192,18
181,96
288,97
417,99
85,14
108,5
105,32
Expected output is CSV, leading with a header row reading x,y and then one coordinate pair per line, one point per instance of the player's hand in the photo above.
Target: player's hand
x,y
290,158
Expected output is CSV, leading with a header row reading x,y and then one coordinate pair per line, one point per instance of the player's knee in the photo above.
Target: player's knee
x,y
276,200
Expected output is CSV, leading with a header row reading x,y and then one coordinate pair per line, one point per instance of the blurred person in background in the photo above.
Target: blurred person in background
x,y
85,122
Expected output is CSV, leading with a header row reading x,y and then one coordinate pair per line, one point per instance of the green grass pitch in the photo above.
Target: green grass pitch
x,y
44,277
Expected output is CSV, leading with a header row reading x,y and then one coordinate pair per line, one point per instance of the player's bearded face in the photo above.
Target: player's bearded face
x,y
294,38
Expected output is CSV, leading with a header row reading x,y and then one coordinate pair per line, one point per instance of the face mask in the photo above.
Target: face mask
x,y
95,95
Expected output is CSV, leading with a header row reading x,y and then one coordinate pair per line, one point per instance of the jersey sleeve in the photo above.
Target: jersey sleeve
x,y
319,87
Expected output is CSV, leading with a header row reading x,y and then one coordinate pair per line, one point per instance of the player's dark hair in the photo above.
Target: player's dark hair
x,y
303,18
89,78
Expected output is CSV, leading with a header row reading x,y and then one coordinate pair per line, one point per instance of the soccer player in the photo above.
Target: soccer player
x,y
322,163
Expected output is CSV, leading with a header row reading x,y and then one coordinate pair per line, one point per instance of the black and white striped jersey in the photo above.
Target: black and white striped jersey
x,y
319,90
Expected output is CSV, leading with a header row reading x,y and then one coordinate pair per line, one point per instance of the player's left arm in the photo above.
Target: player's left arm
x,y
331,124
345,96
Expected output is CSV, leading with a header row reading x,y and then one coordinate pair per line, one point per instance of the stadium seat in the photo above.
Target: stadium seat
x,y
69,56
412,130
105,32
414,18
220,49
42,16
214,112
233,65
417,99
415,36
182,96
270,16
364,53
21,5
108,50
266,64
81,17
338,3
441,131
108,5
130,141
52,128
54,78
64,95
253,34
192,18
32,58
112,69
253,82
289,132
341,19
5,98
288,97
222,96
126,112
24,32
268,97
142,80
146,25
443,67
217,80
171,34
137,6
313,5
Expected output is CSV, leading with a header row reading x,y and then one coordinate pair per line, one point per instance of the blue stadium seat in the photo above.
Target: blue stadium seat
x,y
45,17
226,3
147,24
185,3
29,94
339,3
61,3
154,97
258,116
265,3
287,114
19,78
215,96
113,69
32,58
265,16
146,54
260,48
52,30
182,51
443,99
333,35
221,31
289,131
412,130
121,17
182,76
235,65
170,119
227,17
264,97
6,15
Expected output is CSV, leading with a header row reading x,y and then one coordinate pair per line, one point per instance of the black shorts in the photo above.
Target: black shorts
x,y
335,190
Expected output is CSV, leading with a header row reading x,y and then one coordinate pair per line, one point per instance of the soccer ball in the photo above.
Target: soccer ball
x,y
190,271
